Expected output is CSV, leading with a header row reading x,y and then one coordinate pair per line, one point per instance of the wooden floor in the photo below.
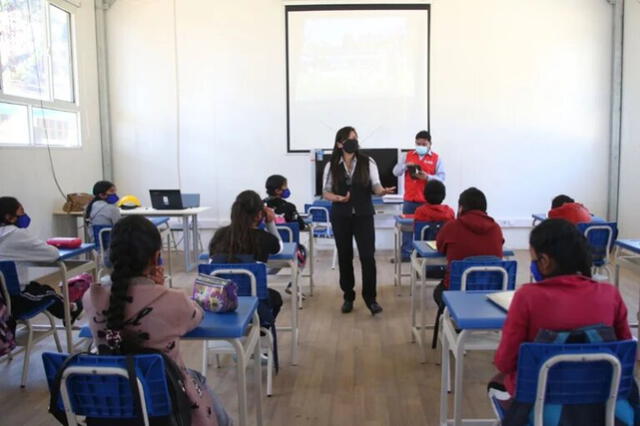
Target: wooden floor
x,y
353,369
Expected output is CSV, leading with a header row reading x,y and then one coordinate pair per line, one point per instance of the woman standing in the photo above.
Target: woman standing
x,y
349,180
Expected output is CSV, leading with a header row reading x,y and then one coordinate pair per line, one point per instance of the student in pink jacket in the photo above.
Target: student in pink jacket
x,y
139,311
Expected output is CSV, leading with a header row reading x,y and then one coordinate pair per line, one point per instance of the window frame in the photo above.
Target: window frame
x,y
52,103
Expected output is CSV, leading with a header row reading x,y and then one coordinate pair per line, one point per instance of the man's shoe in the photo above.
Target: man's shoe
x,y
374,308
347,306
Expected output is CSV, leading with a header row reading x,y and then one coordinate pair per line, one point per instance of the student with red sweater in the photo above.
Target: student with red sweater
x,y
433,210
473,233
563,298
565,207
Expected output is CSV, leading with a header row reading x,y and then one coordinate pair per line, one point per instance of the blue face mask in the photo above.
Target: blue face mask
x,y
535,271
112,198
23,221
422,150
286,193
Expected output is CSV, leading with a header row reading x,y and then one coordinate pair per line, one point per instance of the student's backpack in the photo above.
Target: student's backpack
x,y
7,329
182,406
627,411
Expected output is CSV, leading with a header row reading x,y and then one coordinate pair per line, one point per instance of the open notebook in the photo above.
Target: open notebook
x,y
502,298
432,245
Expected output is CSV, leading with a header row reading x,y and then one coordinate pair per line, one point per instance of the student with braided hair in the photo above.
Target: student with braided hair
x,y
138,311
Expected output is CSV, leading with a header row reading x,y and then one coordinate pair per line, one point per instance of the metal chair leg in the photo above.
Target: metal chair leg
x,y
54,331
436,328
27,354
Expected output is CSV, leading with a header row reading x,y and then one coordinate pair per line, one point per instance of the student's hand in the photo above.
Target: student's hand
x,y
157,275
343,198
386,191
269,215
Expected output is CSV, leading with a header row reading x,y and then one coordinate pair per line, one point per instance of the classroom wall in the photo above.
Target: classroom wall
x,y
26,172
519,102
630,153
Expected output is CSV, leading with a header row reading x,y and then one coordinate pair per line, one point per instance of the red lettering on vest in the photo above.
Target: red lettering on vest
x,y
414,188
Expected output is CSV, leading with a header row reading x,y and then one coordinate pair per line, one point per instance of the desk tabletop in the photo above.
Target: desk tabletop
x,y
631,245
229,325
288,252
144,211
66,254
424,250
403,219
543,216
471,310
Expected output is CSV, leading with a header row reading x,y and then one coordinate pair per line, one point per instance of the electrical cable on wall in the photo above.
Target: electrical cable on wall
x,y
44,121
177,83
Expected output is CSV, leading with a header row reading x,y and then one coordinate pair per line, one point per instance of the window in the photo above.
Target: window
x,y
38,104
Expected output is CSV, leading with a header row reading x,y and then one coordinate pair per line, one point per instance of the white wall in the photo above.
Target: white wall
x,y
630,155
26,173
519,99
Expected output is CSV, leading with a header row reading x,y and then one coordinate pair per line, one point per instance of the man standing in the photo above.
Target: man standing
x,y
418,167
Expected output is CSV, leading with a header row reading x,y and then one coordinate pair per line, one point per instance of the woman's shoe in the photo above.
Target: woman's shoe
x,y
374,308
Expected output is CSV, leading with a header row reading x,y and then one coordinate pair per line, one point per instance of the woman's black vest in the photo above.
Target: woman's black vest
x,y
360,202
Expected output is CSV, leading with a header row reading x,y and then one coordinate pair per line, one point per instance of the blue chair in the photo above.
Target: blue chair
x,y
251,278
102,239
552,375
426,231
601,237
10,286
289,232
98,387
320,213
478,273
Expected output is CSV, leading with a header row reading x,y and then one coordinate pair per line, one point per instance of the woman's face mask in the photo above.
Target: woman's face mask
x,y
112,198
350,146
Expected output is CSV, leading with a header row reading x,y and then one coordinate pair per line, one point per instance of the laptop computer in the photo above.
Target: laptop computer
x,y
502,299
166,199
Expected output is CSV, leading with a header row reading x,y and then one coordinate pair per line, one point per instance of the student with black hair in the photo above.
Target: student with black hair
x,y
565,207
473,233
277,194
420,166
433,210
137,311
102,210
349,180
564,297
19,245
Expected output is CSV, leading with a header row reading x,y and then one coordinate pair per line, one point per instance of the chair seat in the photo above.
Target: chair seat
x,y
35,310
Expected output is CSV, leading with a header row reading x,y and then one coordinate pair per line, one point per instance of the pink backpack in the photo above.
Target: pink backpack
x,y
78,285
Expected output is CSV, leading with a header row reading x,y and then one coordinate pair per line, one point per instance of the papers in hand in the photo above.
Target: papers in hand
x,y
502,298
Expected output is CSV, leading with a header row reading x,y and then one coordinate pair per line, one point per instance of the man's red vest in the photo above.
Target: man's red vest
x,y
414,188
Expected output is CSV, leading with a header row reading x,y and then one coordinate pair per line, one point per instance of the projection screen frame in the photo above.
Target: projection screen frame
x,y
351,7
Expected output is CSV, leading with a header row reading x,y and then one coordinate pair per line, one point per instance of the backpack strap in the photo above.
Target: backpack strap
x,y
135,391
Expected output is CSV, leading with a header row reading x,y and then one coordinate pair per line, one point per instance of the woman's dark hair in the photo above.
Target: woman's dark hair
x,y
8,206
434,191
100,187
561,241
423,134
238,238
134,243
472,199
560,200
361,174
274,182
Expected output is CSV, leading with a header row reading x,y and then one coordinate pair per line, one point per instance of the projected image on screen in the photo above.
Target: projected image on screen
x,y
354,65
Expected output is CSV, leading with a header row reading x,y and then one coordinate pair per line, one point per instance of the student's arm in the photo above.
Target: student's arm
x,y
621,324
274,243
115,215
400,168
327,187
26,247
441,238
188,314
514,333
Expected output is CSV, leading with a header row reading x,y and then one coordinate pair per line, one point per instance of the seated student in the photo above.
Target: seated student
x,y
473,233
278,192
563,298
102,210
17,244
138,311
433,210
243,237
565,207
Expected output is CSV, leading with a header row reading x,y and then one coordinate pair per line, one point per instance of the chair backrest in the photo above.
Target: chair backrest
x,y
251,278
483,273
426,231
9,280
289,232
101,236
98,386
318,213
601,237
575,373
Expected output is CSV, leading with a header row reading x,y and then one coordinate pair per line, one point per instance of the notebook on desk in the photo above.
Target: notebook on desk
x,y
432,245
502,298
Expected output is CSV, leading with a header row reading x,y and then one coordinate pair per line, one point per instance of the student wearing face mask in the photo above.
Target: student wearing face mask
x,y
564,297
19,245
102,210
418,167
350,178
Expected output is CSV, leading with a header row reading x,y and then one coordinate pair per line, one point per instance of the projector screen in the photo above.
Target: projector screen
x,y
365,66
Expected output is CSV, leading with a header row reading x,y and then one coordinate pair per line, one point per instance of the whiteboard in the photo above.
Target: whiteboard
x,y
365,66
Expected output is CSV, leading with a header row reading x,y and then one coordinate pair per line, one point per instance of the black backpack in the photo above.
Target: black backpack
x,y
181,404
